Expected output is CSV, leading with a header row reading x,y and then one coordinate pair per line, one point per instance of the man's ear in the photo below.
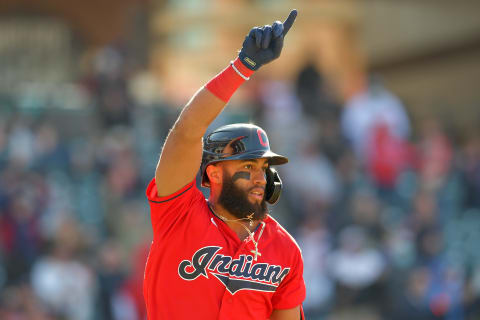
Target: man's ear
x,y
214,173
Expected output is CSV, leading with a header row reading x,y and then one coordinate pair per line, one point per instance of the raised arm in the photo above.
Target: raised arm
x,y
182,152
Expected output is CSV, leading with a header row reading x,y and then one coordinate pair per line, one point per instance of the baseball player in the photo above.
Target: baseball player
x,y
225,257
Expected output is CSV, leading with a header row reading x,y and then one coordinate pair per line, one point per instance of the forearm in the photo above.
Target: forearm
x,y
210,100
286,314
197,115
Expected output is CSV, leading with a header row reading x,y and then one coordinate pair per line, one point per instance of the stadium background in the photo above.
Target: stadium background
x,y
375,102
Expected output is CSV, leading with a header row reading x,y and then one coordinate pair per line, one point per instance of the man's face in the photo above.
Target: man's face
x,y
243,188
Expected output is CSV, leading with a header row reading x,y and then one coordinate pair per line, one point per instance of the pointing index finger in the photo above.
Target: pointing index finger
x,y
287,24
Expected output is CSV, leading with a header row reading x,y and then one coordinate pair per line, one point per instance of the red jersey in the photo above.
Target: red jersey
x,y
199,268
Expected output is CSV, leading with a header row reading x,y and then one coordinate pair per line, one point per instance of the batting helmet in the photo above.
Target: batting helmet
x,y
244,142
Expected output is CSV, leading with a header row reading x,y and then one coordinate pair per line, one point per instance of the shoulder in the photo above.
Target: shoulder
x,y
188,191
173,207
283,239
180,209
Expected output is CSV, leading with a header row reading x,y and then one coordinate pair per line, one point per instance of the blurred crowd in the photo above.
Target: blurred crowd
x,y
386,210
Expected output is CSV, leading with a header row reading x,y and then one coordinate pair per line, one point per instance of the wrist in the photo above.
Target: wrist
x,y
224,84
240,66
247,62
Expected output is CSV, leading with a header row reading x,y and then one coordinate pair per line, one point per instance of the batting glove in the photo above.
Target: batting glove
x,y
264,44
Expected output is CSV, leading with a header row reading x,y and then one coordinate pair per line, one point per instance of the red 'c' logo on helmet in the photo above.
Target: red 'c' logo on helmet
x,y
260,138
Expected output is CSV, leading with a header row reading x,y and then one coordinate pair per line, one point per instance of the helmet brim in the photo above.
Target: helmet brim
x,y
273,158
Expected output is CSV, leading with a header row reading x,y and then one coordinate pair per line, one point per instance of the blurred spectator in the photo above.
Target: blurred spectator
x,y
130,300
108,84
399,243
3,140
376,124
313,94
61,280
314,239
21,145
331,141
365,211
86,178
446,293
349,180
20,232
117,155
435,154
50,153
431,294
281,115
312,177
20,303
412,302
430,247
111,277
472,294
425,212
357,269
321,110
470,161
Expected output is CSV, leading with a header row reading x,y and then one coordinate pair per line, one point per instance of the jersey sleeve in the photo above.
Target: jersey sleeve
x,y
166,211
291,291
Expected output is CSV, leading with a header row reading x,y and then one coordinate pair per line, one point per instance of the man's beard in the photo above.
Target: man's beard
x,y
235,201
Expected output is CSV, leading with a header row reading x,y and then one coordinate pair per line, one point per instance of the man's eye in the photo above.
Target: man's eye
x,y
248,166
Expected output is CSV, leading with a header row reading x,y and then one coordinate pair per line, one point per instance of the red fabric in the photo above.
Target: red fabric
x,y
183,225
133,286
224,85
387,156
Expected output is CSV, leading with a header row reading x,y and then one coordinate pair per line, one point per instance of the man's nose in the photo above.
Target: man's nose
x,y
260,177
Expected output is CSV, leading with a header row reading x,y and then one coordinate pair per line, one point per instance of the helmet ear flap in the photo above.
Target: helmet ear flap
x,y
273,188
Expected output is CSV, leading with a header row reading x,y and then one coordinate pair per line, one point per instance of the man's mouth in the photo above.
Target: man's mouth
x,y
257,193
